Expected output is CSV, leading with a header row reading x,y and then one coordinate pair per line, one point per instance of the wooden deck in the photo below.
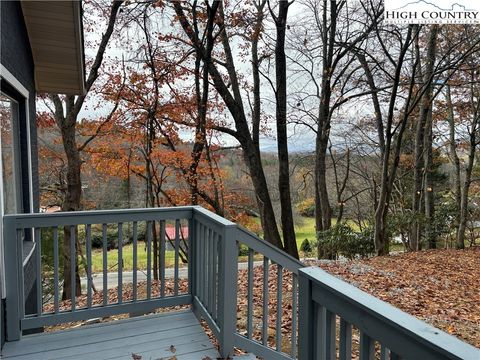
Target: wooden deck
x,y
175,335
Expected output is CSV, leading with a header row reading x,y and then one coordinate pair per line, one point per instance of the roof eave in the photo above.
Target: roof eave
x,y
56,38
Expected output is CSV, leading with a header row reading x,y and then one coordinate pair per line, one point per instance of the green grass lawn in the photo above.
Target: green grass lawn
x,y
304,229
127,255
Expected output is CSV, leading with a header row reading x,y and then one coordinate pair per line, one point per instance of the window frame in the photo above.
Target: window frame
x,y
22,97
17,171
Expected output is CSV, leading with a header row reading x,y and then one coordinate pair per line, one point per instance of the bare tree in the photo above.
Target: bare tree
x,y
329,41
423,146
228,87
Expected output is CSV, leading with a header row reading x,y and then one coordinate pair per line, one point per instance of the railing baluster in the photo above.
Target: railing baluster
x,y
205,266
210,272
135,259
199,249
326,325
345,340
206,274
278,330
38,252
21,275
105,264
320,343
149,260
73,255
175,269
190,252
215,270
367,347
250,295
293,350
162,258
88,244
265,302
55,270
198,253
330,331
120,264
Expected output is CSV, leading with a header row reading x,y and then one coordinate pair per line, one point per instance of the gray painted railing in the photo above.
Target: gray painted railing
x,y
215,261
382,331
48,229
277,290
276,266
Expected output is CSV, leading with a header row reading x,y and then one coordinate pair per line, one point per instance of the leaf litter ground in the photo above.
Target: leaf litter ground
x,y
441,287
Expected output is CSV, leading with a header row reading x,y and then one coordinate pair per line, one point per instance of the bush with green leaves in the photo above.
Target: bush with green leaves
x,y
112,235
306,247
341,240
243,250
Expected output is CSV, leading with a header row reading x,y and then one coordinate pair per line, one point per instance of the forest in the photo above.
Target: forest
x,y
375,127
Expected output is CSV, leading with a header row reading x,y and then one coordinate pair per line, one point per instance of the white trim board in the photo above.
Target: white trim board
x,y
7,75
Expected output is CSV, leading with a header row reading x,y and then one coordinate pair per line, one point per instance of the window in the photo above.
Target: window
x,y
13,113
11,191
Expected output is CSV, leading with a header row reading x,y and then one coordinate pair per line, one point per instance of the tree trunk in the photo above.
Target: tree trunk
x,y
389,170
430,232
324,213
288,228
457,191
423,147
71,202
468,181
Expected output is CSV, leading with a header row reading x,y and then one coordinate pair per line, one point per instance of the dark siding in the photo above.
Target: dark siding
x,y
16,57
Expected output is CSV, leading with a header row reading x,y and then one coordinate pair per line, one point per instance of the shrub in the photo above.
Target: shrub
x,y
112,239
243,250
306,247
361,244
112,235
307,207
342,240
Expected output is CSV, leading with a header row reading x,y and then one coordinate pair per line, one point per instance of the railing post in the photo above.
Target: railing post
x,y
227,297
13,279
306,318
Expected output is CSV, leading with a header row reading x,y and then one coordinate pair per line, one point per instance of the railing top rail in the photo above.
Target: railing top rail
x,y
212,216
422,333
22,221
273,253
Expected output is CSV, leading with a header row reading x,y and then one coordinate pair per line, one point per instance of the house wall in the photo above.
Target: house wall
x,y
16,57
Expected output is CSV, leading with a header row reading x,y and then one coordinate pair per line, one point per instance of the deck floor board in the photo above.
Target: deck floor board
x,y
152,337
